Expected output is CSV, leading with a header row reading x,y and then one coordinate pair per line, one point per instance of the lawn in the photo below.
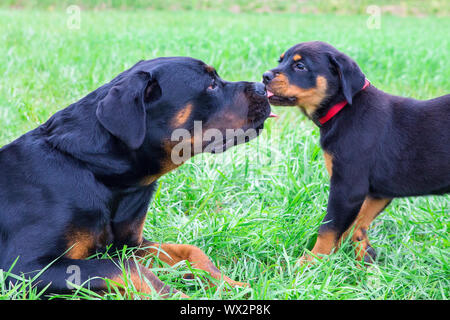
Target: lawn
x,y
256,208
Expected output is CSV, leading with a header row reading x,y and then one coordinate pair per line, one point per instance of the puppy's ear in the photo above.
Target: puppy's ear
x,y
351,77
122,111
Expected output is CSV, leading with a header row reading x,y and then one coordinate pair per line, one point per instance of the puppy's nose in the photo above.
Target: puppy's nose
x,y
260,89
268,76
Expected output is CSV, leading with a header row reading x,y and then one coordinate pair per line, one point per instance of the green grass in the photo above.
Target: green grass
x,y
345,7
256,208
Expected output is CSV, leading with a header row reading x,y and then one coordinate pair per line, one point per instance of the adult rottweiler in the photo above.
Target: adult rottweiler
x,y
376,146
83,180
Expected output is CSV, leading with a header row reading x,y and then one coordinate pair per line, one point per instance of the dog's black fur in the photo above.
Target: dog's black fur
x,y
382,146
80,182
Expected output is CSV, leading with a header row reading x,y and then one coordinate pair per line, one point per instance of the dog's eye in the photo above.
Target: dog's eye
x,y
213,85
300,66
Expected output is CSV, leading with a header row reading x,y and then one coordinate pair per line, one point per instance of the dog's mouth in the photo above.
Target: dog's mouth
x,y
236,137
258,112
278,100
251,130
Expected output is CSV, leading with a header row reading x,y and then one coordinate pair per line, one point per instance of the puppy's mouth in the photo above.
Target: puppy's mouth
x,y
278,100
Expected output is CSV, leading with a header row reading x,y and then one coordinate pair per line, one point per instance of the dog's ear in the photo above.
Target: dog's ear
x,y
122,111
351,77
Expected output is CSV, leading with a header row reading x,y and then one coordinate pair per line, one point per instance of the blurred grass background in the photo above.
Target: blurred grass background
x,y
395,7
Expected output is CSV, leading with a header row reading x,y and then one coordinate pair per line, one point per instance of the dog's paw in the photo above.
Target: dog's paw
x,y
365,253
307,259
235,283
370,255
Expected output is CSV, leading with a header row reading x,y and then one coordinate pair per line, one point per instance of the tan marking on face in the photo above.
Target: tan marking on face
x,y
210,69
182,116
328,162
231,119
80,244
282,56
361,242
297,57
308,99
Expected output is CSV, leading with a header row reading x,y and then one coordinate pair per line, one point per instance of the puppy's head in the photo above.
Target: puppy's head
x,y
167,101
310,75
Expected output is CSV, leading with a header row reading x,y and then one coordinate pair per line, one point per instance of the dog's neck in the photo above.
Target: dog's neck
x,y
331,108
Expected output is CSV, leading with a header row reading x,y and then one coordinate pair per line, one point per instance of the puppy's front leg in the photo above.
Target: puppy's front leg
x,y
344,202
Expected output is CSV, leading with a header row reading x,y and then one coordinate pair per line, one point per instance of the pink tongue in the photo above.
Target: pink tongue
x,y
272,115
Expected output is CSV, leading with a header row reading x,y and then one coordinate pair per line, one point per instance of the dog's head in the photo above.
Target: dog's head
x,y
182,105
311,74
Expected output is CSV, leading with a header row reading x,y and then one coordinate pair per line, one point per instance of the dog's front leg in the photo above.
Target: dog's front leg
x,y
174,253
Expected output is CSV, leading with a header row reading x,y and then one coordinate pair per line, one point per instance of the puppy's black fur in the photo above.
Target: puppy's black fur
x,y
83,180
378,147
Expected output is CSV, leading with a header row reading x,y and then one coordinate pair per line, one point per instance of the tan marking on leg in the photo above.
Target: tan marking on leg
x,y
328,162
308,99
80,243
325,244
369,210
174,253
182,116
138,277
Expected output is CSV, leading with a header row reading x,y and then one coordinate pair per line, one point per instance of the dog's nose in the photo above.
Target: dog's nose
x,y
268,76
260,89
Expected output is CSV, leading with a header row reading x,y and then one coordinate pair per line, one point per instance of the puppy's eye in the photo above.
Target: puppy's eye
x,y
300,66
213,85
280,59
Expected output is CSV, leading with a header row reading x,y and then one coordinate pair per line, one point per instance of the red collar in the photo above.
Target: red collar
x,y
338,107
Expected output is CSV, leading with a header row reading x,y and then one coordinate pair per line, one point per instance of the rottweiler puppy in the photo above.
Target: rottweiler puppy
x,y
83,180
376,146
